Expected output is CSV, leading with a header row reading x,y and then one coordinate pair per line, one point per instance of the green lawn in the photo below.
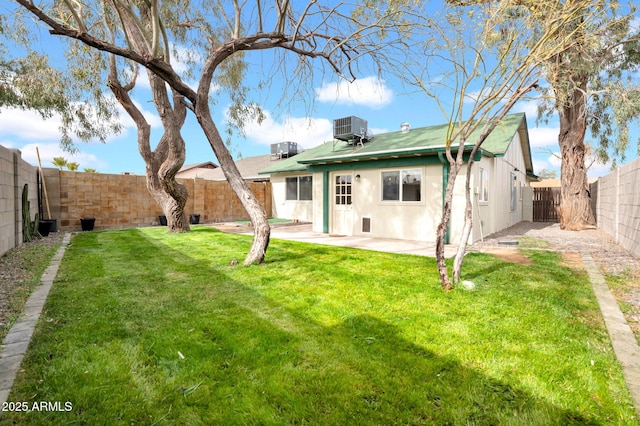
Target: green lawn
x,y
143,327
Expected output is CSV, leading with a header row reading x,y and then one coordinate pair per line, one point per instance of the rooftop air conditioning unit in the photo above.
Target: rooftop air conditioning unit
x,y
284,149
349,129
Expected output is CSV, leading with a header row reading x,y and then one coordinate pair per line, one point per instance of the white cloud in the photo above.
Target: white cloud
x,y
368,91
28,125
530,108
540,165
543,136
596,168
555,160
151,116
306,131
50,150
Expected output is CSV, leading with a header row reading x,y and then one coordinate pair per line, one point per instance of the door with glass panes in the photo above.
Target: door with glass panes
x,y
342,223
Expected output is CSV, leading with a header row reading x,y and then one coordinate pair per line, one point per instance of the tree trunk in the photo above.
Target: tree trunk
x,y
257,213
168,157
443,272
575,204
468,226
170,195
163,163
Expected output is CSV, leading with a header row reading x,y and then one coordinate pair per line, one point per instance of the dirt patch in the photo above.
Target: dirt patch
x,y
233,228
572,260
509,254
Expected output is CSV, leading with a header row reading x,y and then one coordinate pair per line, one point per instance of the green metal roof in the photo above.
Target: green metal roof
x,y
417,142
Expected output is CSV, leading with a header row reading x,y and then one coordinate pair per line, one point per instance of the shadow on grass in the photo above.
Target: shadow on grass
x,y
162,338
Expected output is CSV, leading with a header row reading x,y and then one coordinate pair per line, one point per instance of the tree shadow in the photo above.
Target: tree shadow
x,y
251,359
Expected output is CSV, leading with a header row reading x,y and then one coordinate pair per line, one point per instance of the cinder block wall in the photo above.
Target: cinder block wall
x,y
123,201
618,205
14,173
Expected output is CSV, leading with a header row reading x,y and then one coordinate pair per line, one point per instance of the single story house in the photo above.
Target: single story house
x,y
392,185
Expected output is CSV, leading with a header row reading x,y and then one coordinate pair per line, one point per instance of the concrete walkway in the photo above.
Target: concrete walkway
x,y
622,338
15,343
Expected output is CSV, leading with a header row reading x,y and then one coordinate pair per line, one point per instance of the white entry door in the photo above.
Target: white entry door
x,y
342,223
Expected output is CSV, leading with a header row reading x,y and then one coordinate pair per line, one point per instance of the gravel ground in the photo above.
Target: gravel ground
x,y
611,257
14,273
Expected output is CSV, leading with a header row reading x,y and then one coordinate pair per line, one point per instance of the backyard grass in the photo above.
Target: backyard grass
x,y
143,327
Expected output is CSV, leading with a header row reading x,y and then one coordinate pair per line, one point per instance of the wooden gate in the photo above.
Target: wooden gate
x,y
545,204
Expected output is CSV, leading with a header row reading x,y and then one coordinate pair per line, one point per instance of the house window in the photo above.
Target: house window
x,y
402,185
483,196
514,190
343,189
299,188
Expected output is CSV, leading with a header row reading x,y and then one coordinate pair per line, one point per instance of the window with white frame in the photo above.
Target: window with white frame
x,y
402,185
299,188
483,196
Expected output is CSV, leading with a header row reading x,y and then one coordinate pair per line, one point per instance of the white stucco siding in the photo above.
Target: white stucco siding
x,y
415,220
289,209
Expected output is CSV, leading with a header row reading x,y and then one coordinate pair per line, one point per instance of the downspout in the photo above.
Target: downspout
x,y
445,181
325,201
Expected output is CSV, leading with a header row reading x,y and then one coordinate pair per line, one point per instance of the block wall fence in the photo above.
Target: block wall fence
x,y
14,173
115,201
123,201
615,199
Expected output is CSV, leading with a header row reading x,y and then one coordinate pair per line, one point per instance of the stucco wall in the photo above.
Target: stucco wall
x,y
403,220
413,220
618,205
14,173
295,210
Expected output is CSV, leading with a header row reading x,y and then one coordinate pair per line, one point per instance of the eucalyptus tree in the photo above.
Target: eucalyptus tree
x,y
28,81
218,38
591,86
162,163
478,63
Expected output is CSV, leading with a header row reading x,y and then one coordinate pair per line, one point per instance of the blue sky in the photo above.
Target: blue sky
x,y
385,104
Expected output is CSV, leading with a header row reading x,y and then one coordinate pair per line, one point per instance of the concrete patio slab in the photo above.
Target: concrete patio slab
x,y
304,233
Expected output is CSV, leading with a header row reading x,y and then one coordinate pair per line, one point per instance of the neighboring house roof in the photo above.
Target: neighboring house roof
x,y
248,168
417,142
204,165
